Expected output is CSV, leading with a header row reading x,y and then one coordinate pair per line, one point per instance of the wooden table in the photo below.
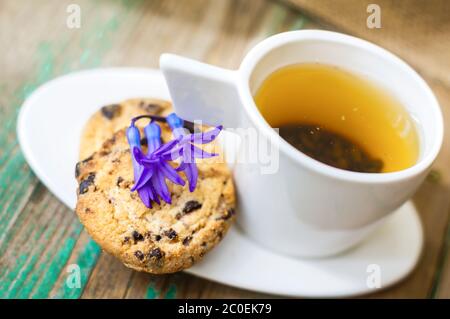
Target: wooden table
x,y
39,236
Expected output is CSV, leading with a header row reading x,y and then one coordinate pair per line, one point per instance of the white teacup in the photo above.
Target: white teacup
x,y
307,208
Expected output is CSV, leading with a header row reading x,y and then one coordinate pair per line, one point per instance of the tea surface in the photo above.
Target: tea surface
x,y
357,118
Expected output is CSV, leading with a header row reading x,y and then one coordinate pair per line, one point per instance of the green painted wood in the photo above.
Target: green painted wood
x,y
86,260
31,266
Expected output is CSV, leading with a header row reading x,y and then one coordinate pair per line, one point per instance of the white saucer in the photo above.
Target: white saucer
x,y
49,128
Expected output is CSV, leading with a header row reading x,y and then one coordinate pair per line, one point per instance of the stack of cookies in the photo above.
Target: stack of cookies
x,y
167,237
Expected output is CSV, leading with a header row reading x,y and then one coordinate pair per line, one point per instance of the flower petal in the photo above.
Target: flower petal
x,y
149,161
142,178
153,195
203,137
191,172
161,187
153,133
166,147
199,153
173,154
133,136
181,167
145,196
171,174
138,154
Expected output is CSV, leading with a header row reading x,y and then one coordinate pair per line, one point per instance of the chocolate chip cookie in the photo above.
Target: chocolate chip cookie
x,y
162,239
111,118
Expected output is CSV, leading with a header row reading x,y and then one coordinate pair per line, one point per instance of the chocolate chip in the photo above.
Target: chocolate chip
x,y
119,180
187,240
172,234
190,206
77,170
88,159
144,141
156,253
111,111
150,107
139,255
137,236
126,239
88,181
88,210
228,214
78,166
158,237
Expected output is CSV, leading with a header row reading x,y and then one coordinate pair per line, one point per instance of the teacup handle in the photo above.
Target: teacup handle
x,y
202,92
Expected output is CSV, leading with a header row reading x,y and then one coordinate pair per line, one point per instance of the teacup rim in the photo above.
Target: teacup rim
x,y
262,48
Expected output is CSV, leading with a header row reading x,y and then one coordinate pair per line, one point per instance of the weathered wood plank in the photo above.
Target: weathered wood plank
x,y
36,252
38,234
109,279
432,201
442,290
84,254
418,31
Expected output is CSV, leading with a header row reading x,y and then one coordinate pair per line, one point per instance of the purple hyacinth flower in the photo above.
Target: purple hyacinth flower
x,y
152,169
187,150
134,140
